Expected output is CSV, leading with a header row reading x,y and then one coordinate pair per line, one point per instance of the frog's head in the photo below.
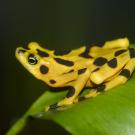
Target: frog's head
x,y
41,62
35,59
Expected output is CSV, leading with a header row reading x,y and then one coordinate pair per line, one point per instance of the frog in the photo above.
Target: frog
x,y
100,68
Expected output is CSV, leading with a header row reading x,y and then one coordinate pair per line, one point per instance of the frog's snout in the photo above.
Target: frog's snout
x,y
20,50
19,53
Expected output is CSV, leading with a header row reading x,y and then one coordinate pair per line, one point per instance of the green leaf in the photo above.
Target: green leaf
x,y
39,105
111,113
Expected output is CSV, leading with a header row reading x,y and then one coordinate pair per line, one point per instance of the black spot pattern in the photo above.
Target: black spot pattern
x,y
117,53
70,71
85,54
42,53
81,71
61,52
71,92
64,62
100,61
132,53
53,106
44,69
100,88
125,73
52,81
112,63
70,81
96,70
21,51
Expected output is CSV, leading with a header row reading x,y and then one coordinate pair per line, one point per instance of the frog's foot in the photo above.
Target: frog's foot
x,y
63,103
52,107
68,100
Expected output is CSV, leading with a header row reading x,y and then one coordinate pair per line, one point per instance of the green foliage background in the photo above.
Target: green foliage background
x,y
56,25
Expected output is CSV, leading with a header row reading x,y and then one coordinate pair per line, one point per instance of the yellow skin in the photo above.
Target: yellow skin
x,y
100,68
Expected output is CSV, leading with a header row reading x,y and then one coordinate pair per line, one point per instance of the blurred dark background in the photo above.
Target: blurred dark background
x,y
56,25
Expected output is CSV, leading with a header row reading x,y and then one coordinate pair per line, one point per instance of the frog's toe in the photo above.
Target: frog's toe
x,y
51,107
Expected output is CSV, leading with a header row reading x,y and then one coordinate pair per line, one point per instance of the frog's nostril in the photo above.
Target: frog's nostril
x,y
21,51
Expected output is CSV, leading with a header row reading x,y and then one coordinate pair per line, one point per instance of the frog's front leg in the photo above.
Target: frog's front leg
x,y
75,88
123,76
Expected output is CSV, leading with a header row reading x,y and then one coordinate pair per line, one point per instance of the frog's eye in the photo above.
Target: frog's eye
x,y
32,59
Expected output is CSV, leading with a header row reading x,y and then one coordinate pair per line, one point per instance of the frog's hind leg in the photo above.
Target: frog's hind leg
x,y
123,76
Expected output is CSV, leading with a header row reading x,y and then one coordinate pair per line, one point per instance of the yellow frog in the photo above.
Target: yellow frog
x,y
100,68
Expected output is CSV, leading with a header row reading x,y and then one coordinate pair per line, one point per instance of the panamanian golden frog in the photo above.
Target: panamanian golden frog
x,y
100,68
